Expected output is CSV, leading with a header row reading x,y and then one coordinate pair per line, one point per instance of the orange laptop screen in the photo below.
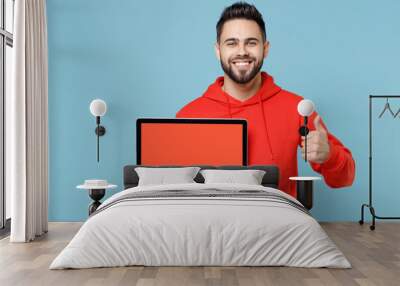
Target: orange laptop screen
x,y
191,142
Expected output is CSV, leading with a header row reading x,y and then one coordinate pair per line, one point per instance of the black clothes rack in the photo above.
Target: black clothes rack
x,y
370,205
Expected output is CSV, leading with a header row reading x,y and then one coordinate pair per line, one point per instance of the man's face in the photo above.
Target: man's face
x,y
241,50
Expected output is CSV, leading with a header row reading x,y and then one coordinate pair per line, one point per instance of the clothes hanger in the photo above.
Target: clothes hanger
x,y
398,111
387,107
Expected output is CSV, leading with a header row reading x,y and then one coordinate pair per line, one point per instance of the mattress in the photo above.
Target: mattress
x,y
201,225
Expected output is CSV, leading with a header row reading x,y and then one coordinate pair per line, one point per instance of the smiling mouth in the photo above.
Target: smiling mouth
x,y
242,63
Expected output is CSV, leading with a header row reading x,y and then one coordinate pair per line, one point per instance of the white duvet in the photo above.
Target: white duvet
x,y
200,231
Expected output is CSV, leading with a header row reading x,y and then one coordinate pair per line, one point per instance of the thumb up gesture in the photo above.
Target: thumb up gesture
x,y
317,143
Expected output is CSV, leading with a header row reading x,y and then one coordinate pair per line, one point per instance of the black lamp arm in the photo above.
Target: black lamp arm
x,y
100,131
303,132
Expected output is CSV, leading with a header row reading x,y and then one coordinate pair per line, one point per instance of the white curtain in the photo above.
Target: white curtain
x,y
27,123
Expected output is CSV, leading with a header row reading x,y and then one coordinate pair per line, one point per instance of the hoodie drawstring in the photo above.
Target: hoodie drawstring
x,y
265,127
229,105
264,122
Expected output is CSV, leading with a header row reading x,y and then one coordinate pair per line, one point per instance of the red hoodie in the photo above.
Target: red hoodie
x,y
273,131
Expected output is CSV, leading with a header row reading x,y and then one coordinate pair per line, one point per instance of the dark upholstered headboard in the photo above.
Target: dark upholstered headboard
x,y
270,179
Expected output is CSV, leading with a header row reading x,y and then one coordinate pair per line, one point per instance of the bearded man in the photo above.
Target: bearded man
x,y
245,92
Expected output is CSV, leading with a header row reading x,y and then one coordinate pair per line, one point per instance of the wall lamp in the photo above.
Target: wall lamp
x,y
305,108
98,108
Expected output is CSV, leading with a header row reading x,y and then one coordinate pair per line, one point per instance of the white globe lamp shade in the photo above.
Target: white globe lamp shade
x,y
305,107
98,107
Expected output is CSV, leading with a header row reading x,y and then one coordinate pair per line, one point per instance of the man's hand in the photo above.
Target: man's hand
x,y
317,144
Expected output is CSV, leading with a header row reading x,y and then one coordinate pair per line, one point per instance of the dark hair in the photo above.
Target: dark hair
x,y
241,10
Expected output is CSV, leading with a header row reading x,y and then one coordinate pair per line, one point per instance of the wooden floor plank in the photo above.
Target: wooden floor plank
x,y
374,255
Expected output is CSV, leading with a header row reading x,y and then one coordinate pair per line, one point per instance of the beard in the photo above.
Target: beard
x,y
242,76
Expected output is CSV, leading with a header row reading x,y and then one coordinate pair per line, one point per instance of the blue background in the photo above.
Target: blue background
x,y
149,58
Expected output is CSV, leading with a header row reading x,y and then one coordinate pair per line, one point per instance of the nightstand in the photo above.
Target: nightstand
x,y
304,187
97,190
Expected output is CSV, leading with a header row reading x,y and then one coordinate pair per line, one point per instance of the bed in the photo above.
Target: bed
x,y
201,224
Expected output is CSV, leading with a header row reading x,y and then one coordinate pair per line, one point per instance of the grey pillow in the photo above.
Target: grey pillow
x,y
249,177
162,176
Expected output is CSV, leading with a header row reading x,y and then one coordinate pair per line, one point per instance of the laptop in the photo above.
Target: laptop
x,y
186,142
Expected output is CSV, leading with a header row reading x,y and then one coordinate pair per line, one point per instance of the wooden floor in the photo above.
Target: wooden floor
x,y
374,255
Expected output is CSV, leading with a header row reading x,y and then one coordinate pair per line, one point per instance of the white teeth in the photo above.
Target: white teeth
x,y
242,63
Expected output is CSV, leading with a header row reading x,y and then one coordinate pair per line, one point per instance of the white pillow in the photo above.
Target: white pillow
x,y
249,177
163,176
